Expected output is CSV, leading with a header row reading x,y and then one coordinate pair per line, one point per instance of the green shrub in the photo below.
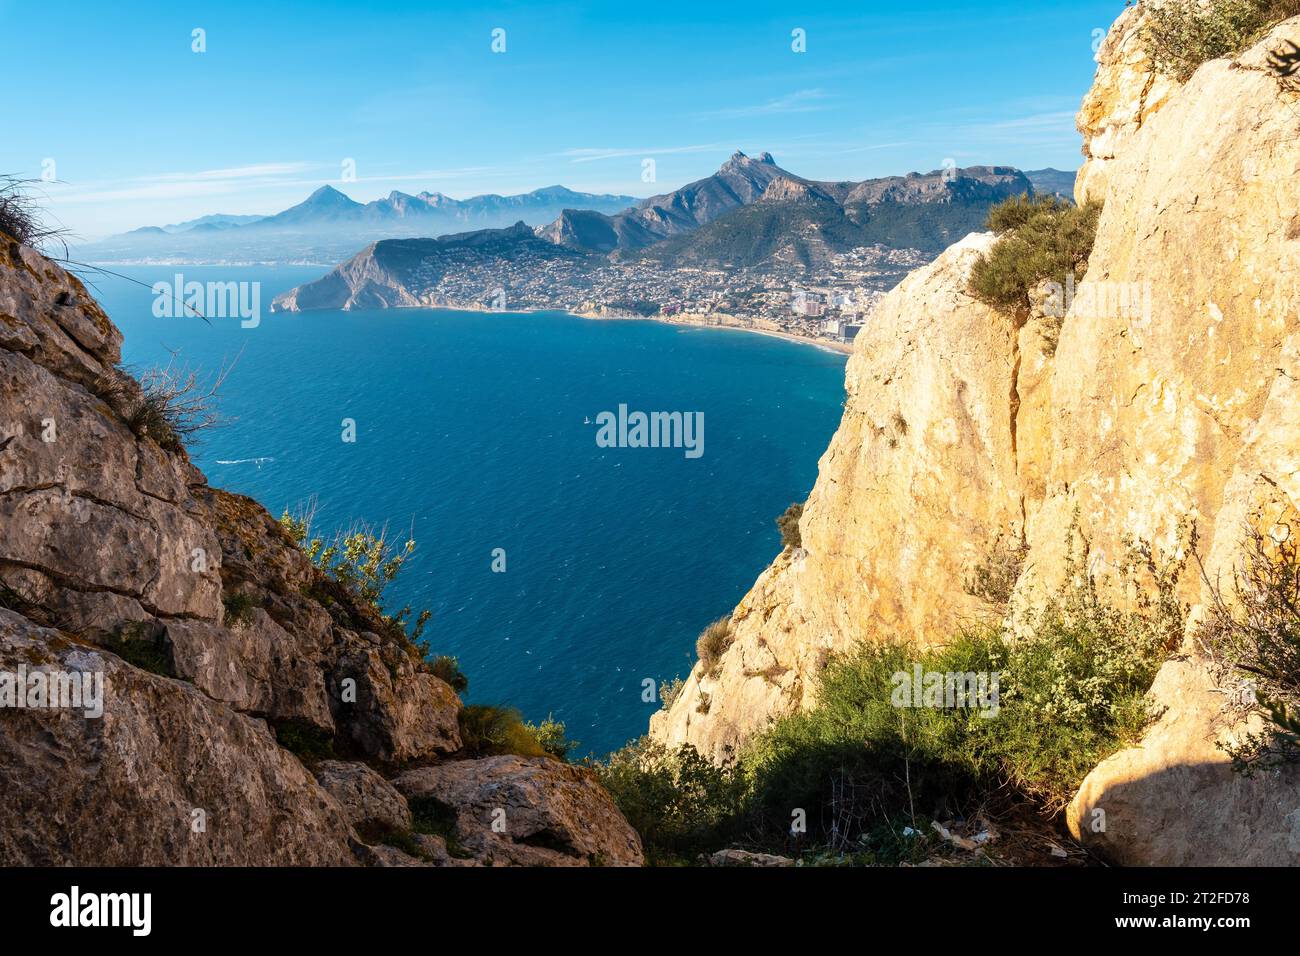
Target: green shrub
x,y
1041,238
448,669
365,562
550,735
679,802
713,643
487,730
788,523
432,817
1180,35
669,691
239,608
1062,691
305,741
141,644
1255,632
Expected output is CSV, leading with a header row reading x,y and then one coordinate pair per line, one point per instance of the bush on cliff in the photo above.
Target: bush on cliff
x,y
172,406
20,216
1054,698
1180,35
552,736
681,803
1253,633
364,562
713,643
788,523
1041,238
487,730
447,669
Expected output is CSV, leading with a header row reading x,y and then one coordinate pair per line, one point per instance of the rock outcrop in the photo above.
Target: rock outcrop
x,y
230,664
527,811
1170,395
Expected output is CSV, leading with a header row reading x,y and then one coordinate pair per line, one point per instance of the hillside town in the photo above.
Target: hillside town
x,y
830,302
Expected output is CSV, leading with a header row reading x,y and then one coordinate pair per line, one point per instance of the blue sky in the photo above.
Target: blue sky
x,y
142,130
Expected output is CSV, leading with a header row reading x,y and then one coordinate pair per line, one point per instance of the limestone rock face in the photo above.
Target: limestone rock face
x,y
367,799
528,811
401,713
121,790
919,479
221,645
1171,394
1190,410
1125,92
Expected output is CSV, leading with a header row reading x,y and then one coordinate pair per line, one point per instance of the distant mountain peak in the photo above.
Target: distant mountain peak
x,y
328,192
740,160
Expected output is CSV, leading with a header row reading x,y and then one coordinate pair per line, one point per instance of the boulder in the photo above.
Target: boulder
x,y
526,811
369,801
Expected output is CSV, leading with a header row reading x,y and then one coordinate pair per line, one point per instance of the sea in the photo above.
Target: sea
x,y
475,433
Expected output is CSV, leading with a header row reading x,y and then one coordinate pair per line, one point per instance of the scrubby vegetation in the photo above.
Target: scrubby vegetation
x,y
1041,239
994,576
487,730
669,691
713,643
552,736
679,802
306,742
448,669
20,216
176,404
1180,35
141,644
239,608
1253,633
788,524
1061,691
364,561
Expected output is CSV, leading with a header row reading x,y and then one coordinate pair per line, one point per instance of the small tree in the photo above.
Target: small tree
x,y
1040,238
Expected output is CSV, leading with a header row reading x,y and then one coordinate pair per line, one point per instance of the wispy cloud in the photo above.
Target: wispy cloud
x,y
590,155
800,101
184,185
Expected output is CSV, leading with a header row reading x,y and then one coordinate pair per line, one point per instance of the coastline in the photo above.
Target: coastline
x,y
692,320
686,320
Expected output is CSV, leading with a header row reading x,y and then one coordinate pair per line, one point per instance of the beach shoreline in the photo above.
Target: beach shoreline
x,y
693,321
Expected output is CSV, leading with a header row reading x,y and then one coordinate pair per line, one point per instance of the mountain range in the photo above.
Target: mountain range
x,y
329,225
751,213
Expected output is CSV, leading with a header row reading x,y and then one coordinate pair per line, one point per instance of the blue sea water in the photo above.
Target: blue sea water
x,y
471,430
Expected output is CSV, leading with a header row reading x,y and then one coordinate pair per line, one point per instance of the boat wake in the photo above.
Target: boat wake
x,y
259,462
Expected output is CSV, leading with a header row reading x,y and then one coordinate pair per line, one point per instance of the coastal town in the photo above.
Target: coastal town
x,y
827,303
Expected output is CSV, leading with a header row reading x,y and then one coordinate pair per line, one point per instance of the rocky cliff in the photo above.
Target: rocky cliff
x,y
231,666
1171,394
